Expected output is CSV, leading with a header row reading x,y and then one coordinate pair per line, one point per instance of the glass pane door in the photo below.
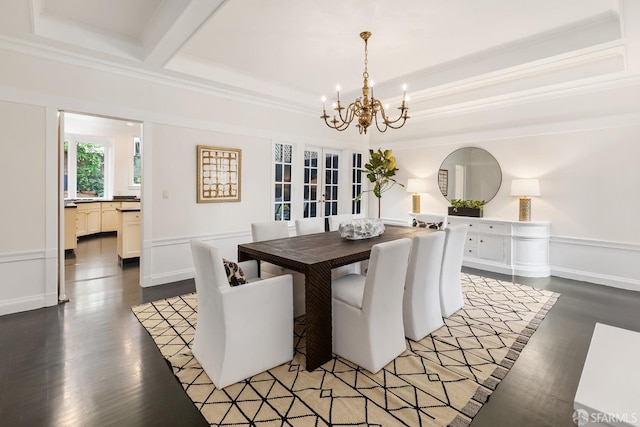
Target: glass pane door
x,y
320,191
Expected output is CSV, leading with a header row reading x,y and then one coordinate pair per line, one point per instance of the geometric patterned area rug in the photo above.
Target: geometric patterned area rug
x,y
442,380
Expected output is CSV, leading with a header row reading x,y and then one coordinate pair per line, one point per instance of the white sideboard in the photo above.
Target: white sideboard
x,y
503,246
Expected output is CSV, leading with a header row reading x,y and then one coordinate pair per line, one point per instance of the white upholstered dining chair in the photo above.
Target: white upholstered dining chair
x,y
421,302
367,310
334,224
451,299
241,330
309,226
270,230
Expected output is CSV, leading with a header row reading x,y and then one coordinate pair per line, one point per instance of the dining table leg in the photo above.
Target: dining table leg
x,y
318,315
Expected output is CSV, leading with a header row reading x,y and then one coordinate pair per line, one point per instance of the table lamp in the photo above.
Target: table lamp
x,y
415,186
525,188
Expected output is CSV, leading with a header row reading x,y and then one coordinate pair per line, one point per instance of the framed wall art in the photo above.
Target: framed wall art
x,y
443,181
218,174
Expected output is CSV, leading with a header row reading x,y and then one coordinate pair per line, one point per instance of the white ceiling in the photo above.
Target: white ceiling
x,y
300,49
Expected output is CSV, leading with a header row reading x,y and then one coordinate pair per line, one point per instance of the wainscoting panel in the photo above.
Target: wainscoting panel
x,y
23,282
606,263
171,259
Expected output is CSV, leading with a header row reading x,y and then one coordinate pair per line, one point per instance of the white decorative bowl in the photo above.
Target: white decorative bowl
x,y
358,229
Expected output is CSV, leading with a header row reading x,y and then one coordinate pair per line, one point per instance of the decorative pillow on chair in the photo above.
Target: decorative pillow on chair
x,y
235,275
430,225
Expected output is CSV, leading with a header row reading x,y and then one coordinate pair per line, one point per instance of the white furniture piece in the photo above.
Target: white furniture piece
x,y
367,310
421,301
451,299
270,230
609,385
241,330
508,247
309,226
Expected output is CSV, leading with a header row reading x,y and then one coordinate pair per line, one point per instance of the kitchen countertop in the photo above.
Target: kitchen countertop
x,y
72,203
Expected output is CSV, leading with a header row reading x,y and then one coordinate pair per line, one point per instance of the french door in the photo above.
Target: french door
x,y
321,179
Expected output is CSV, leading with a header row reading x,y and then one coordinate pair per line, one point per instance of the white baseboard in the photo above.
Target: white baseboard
x,y
598,279
26,303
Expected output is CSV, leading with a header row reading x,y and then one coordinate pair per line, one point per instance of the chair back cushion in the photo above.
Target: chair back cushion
x,y
269,230
309,226
451,298
385,278
421,307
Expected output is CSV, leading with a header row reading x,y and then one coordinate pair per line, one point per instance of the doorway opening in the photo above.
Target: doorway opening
x,y
100,192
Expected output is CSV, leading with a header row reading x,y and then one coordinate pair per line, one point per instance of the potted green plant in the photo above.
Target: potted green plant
x,y
461,207
380,171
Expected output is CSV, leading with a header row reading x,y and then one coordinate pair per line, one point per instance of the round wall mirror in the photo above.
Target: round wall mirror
x,y
469,173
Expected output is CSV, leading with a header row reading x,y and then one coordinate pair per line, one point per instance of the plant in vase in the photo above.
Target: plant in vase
x,y
467,207
380,171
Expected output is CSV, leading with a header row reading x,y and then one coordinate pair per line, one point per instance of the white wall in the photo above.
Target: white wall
x,y
181,114
23,244
586,177
584,173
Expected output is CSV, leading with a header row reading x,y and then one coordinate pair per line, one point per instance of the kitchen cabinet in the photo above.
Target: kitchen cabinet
x,y
70,238
88,218
109,217
129,238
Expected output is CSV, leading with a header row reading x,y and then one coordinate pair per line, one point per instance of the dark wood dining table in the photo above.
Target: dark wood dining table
x,y
315,255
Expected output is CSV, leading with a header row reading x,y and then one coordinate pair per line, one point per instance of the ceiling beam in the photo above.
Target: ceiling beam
x,y
173,25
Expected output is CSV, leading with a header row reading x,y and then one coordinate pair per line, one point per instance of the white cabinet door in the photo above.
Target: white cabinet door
x,y
491,247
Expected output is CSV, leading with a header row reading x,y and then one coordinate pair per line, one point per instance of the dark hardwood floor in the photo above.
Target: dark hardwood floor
x,y
90,363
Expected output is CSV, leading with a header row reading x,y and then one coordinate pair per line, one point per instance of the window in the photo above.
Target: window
x,y
282,181
88,167
136,175
356,183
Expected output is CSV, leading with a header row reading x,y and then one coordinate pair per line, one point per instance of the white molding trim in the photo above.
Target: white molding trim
x,y
602,122
24,256
554,63
549,92
173,276
635,247
172,241
598,279
175,80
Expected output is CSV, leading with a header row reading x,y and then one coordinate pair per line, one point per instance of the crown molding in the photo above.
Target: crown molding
x,y
167,78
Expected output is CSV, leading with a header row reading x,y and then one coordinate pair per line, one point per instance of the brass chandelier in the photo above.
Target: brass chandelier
x,y
366,109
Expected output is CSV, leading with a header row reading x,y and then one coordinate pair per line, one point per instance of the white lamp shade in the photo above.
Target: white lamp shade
x,y
416,185
525,187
